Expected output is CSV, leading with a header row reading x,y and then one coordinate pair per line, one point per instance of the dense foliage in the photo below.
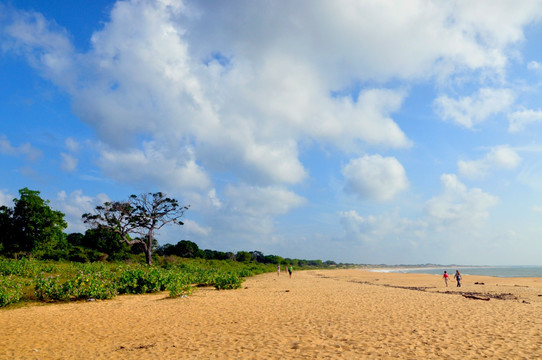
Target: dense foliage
x,y
38,261
62,281
32,227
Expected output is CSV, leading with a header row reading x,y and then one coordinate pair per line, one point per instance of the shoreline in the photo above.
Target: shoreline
x,y
533,271
336,314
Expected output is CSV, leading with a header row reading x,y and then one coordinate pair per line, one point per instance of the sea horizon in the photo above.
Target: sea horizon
x,y
482,270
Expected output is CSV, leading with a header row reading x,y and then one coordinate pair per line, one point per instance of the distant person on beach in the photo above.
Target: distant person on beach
x,y
278,270
446,276
457,277
290,270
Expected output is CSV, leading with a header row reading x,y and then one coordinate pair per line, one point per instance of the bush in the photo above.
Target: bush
x,y
96,286
179,285
225,281
24,267
50,288
80,286
10,291
142,280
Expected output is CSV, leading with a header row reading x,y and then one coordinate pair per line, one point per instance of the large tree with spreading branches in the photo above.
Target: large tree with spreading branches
x,y
138,219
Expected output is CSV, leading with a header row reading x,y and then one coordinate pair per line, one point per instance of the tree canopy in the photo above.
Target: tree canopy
x,y
141,216
31,226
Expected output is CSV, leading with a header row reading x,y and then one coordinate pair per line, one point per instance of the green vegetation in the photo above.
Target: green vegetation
x,y
46,280
39,262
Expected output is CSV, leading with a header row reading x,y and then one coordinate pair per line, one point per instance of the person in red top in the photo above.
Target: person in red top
x,y
446,276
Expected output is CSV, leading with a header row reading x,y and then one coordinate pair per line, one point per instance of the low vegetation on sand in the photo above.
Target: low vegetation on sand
x,y
38,280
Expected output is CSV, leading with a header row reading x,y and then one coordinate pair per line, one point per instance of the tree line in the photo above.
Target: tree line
x,y
117,231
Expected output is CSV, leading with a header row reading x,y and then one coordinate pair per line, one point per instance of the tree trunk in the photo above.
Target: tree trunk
x,y
148,249
148,254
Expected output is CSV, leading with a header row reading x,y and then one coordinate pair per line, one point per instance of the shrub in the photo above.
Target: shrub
x,y
96,285
142,280
10,291
179,285
50,288
227,281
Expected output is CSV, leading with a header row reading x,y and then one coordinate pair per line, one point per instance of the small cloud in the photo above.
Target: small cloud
x,y
471,110
75,204
520,119
25,149
459,205
500,157
72,145
534,65
69,163
194,228
375,177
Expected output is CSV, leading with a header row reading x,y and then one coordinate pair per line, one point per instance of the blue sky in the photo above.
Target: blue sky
x,y
354,131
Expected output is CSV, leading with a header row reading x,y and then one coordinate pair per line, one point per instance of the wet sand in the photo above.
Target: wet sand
x,y
321,314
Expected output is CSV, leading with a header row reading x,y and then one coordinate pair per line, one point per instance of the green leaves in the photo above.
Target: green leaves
x,y
32,226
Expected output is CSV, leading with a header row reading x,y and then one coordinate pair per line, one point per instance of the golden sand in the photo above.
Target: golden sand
x,y
328,314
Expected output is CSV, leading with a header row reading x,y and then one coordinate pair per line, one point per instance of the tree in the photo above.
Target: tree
x,y
243,256
105,241
33,226
186,249
141,215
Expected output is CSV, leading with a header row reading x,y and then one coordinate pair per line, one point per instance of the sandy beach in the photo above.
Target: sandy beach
x,y
322,314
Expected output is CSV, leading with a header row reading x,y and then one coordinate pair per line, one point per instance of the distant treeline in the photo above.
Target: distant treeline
x,y
31,229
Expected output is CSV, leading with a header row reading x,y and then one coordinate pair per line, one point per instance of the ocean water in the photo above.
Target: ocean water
x,y
498,271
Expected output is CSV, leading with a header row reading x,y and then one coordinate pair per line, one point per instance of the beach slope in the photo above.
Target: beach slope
x,y
322,314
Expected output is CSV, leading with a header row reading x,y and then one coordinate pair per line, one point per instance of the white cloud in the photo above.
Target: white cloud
x,y
383,228
375,177
520,119
458,205
69,162
534,65
25,149
74,205
172,168
500,157
192,227
6,199
192,73
471,110
246,215
72,145
261,201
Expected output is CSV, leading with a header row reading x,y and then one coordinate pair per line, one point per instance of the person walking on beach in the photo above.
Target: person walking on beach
x,y
446,276
278,270
290,270
457,277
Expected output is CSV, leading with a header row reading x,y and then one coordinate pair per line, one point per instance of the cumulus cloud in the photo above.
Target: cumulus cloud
x,y
193,228
261,201
471,110
75,204
246,214
375,177
458,205
518,120
500,157
172,168
380,228
27,150
245,93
